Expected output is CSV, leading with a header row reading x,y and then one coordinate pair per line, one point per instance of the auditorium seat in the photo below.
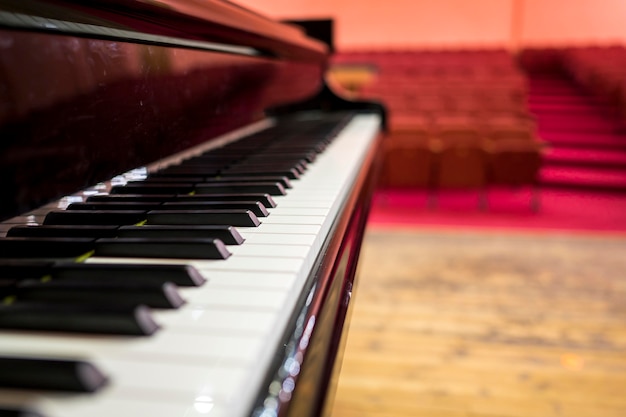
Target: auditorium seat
x,y
515,163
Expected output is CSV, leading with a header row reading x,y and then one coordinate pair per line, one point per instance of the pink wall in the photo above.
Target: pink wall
x,y
451,23
399,23
574,21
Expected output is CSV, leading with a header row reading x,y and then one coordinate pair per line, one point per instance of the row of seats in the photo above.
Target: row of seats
x,y
453,129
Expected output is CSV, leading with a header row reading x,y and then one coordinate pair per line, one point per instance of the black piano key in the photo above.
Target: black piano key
x,y
284,181
181,275
115,205
50,375
18,412
261,166
16,269
244,218
188,171
179,248
141,187
271,188
45,247
174,179
80,291
95,217
272,159
131,198
254,206
227,234
95,231
244,172
283,153
264,198
78,318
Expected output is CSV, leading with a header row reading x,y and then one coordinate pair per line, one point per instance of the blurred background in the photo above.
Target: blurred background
x,y
492,274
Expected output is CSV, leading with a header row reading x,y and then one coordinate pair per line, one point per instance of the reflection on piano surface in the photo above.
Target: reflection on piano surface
x,y
183,202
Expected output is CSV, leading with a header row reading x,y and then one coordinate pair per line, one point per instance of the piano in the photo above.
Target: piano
x,y
183,200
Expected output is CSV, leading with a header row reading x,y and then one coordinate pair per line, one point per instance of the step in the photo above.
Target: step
x,y
583,178
584,140
560,123
573,109
586,158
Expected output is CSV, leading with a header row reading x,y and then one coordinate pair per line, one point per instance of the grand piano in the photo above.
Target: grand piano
x,y
183,199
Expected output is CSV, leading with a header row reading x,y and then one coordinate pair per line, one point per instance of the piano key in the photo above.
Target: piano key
x,y
44,247
203,217
114,292
153,188
294,219
271,188
95,231
187,248
188,171
20,269
216,318
227,234
50,374
110,403
131,198
174,178
108,205
170,345
180,275
264,167
252,249
110,319
281,179
263,198
291,173
254,206
97,217
18,412
245,280
15,269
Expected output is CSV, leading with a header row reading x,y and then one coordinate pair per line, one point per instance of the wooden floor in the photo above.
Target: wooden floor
x,y
453,324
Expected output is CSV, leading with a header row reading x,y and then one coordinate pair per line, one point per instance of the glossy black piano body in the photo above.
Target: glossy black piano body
x,y
89,92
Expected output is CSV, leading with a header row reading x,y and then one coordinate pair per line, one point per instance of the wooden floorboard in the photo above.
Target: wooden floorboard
x,y
484,325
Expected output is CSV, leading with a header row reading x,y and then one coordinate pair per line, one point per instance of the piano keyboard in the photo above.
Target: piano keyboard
x,y
210,356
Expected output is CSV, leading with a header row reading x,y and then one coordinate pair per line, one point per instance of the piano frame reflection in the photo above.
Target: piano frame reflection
x,y
90,92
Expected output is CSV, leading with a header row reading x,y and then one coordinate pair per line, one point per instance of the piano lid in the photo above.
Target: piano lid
x,y
193,20
89,92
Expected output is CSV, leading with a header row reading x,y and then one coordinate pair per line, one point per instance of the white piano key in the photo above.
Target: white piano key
x,y
145,405
238,279
255,249
162,345
295,220
277,238
299,211
237,297
206,320
304,229
107,405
